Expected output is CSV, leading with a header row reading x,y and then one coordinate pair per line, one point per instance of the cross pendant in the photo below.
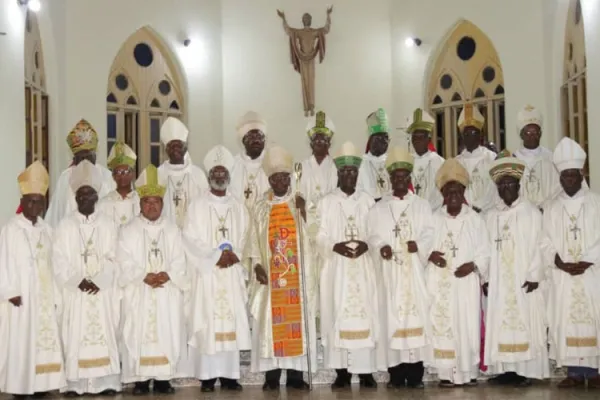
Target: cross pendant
x,y
380,182
223,231
351,233
453,249
247,192
574,230
396,231
418,188
499,243
156,251
177,199
85,255
531,176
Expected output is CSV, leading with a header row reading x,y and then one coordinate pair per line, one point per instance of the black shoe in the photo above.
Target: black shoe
x,y
20,396
521,381
418,385
231,384
341,382
270,385
367,381
40,395
163,387
72,394
108,393
503,379
141,388
471,383
297,384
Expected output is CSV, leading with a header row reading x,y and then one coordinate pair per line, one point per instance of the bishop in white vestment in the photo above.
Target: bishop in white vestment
x,y
85,269
401,235
426,161
83,142
515,340
31,359
183,179
123,203
540,182
153,278
457,265
215,235
572,249
373,178
348,285
480,194
279,307
248,179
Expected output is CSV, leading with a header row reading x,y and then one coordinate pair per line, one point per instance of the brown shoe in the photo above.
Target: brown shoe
x,y
570,382
594,383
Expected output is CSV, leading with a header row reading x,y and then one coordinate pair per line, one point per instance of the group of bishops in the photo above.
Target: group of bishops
x,y
400,260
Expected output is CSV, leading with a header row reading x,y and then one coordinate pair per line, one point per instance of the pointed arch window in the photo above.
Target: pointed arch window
x,y
37,115
467,69
144,88
574,88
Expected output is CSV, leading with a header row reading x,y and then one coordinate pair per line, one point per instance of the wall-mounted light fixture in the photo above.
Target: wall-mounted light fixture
x,y
187,42
33,5
413,41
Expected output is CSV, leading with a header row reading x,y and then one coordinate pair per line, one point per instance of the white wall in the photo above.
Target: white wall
x,y
95,31
354,79
513,26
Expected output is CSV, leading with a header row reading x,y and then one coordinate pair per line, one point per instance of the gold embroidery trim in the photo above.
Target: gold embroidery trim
x,y
94,362
513,348
444,354
47,368
411,332
225,336
582,342
355,335
153,361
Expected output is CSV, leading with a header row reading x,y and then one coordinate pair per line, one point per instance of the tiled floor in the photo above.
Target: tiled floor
x,y
540,391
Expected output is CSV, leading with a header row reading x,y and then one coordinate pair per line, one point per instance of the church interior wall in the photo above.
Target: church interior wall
x,y
354,80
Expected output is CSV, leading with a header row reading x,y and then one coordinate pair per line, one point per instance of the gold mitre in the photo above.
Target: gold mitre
x,y
121,154
451,171
147,184
470,116
34,180
82,137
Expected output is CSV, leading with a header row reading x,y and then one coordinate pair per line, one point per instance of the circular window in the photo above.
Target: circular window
x,y
466,48
143,55
121,82
164,87
488,74
446,81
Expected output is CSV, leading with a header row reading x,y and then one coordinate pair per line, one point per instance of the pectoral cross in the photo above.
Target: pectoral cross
x,y
454,249
396,231
223,231
351,232
499,243
156,251
418,188
177,199
86,254
380,182
574,229
247,192
531,175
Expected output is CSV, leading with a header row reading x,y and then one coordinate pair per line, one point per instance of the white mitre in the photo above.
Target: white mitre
x,y
569,155
529,115
250,121
277,159
173,129
218,155
85,174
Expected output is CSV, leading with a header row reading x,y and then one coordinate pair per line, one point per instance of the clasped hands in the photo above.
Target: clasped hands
x,y
156,280
437,258
528,286
227,259
387,253
570,268
351,248
89,287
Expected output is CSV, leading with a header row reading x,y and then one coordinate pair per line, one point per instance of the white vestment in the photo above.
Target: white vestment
x,y
248,180
571,231
515,338
259,251
85,248
120,210
403,298
350,320
373,177
184,182
317,180
219,325
541,181
423,178
455,312
481,192
31,357
153,327
62,201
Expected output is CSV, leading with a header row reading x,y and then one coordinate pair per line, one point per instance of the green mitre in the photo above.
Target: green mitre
x,y
147,184
377,122
347,156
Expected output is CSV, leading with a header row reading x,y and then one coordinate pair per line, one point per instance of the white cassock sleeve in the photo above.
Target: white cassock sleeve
x,y
481,245
324,240
66,276
9,277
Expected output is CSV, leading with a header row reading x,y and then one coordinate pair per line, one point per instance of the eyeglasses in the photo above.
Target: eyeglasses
x,y
121,172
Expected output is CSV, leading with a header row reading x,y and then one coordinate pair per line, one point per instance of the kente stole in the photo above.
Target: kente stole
x,y
286,308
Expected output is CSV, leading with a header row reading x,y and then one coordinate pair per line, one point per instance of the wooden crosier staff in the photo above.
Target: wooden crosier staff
x,y
298,176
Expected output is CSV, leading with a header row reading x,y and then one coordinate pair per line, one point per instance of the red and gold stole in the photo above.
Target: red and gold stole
x,y
286,307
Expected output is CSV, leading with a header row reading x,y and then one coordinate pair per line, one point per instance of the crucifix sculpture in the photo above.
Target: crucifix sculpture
x,y
305,44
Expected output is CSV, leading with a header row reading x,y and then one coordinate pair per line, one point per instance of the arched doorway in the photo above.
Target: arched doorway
x,y
144,88
467,69
574,88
